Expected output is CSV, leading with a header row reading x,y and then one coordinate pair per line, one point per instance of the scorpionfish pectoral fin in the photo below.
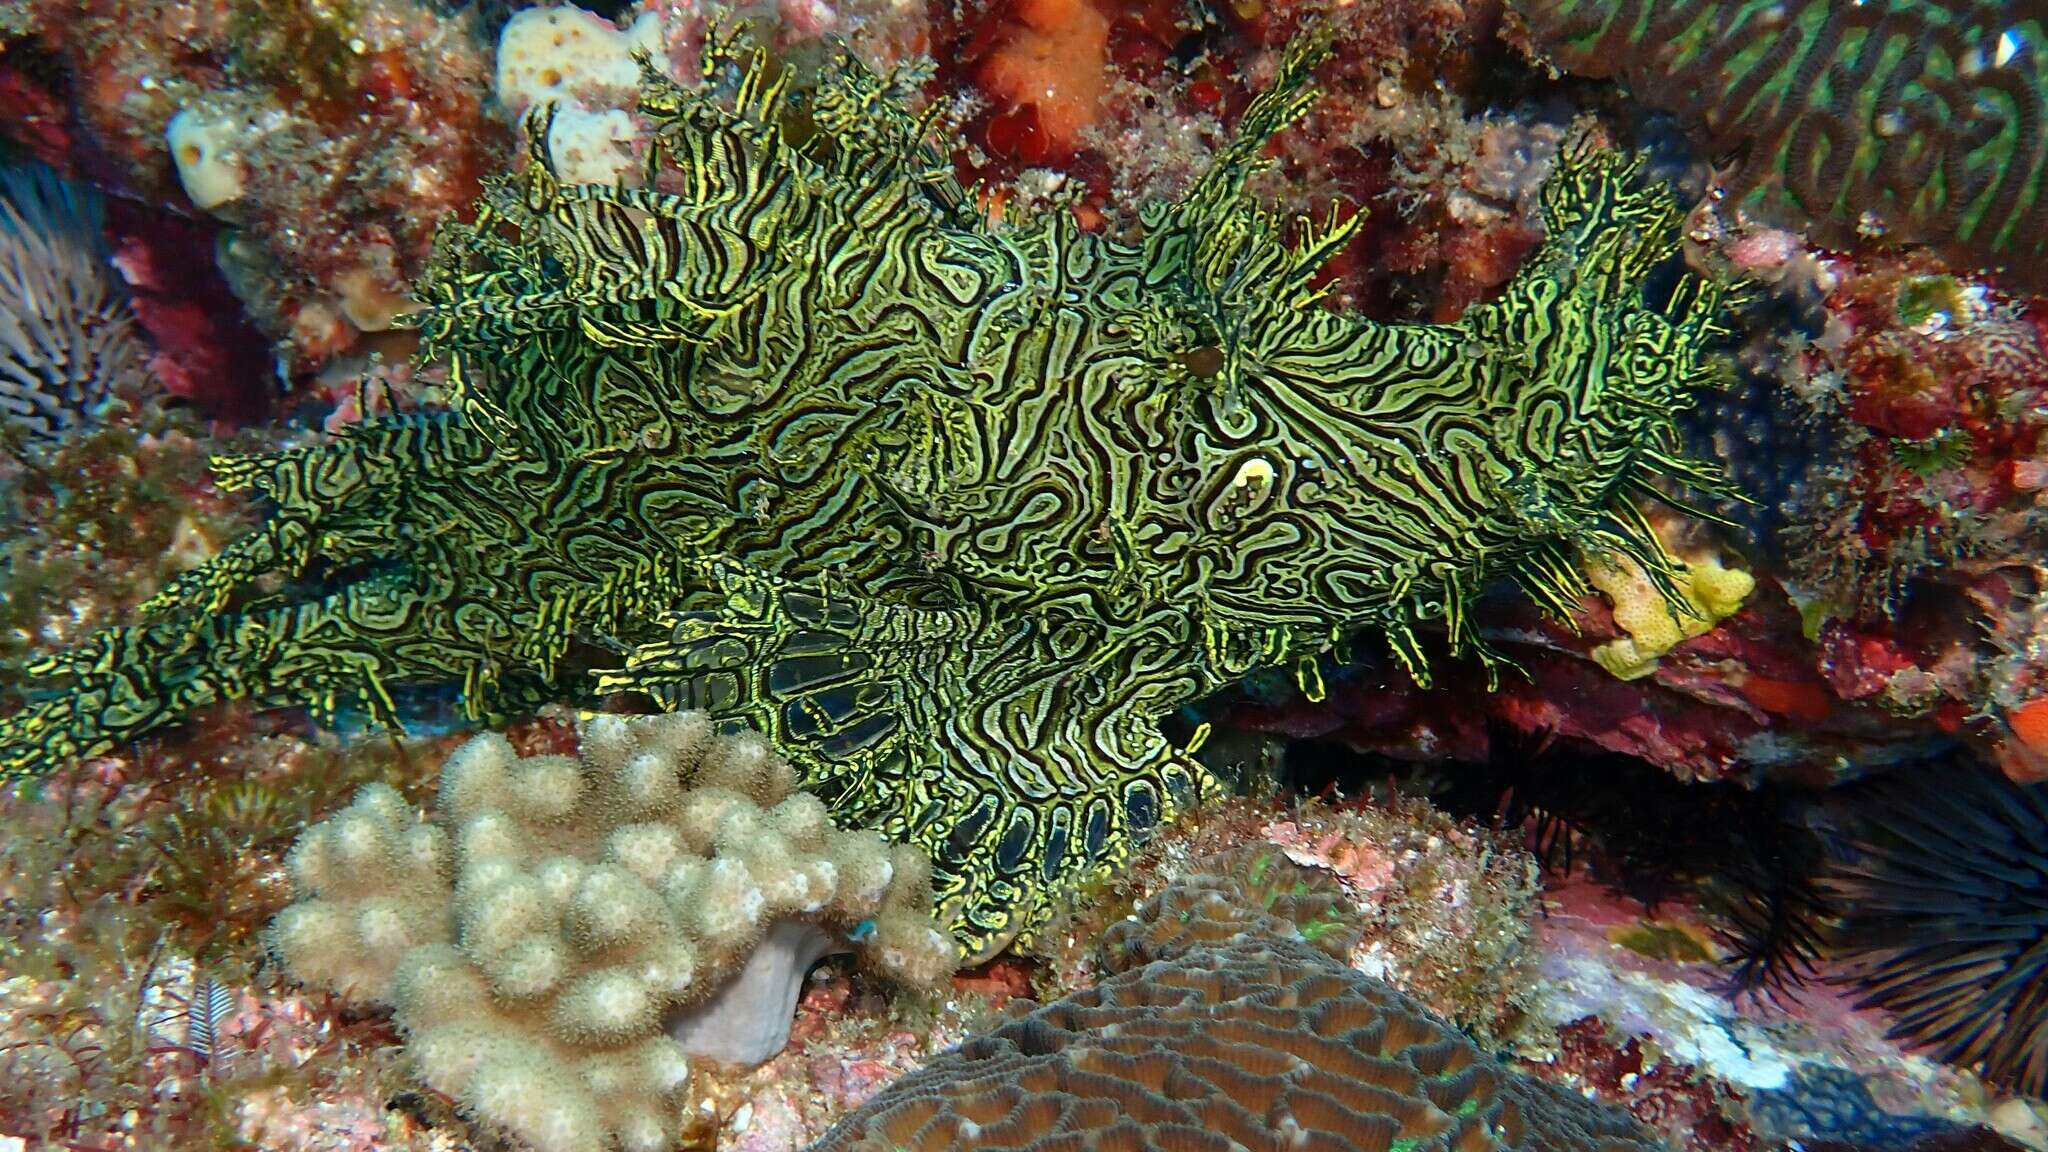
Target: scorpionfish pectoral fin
x,y
965,732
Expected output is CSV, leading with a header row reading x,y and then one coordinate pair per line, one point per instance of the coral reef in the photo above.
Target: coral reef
x,y
1945,928
1913,521
1415,132
135,1008
1746,857
104,488
1657,1030
1917,889
104,495
1441,910
331,136
1747,695
2018,677
1445,908
1446,191
1228,1024
1918,120
1892,441
1826,1103
1889,418
606,513
1932,385
68,339
100,520
139,1009
850,1039
207,352
991,434
563,934
1690,1110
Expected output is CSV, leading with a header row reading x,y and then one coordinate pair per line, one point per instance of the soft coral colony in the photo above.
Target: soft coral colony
x,y
955,511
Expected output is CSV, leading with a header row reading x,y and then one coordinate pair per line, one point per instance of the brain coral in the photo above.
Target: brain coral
x,y
564,932
1922,119
1230,1027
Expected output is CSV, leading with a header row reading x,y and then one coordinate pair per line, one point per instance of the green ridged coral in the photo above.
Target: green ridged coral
x,y
956,511
1922,120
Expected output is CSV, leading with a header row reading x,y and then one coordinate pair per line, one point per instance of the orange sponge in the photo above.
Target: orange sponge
x,y
1056,59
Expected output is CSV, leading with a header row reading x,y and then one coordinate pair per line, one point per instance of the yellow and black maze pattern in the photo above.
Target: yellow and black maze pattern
x,y
955,510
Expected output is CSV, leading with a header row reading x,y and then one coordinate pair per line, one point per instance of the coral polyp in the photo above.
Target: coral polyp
x,y
954,510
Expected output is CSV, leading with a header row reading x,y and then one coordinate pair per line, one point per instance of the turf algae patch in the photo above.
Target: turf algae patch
x,y
955,511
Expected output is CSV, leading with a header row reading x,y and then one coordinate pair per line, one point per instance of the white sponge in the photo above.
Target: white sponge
x,y
591,147
566,54
204,145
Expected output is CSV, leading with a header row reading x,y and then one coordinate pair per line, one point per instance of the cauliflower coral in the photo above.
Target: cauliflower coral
x,y
557,935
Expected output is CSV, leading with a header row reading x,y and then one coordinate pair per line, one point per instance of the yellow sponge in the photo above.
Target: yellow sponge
x,y
1654,626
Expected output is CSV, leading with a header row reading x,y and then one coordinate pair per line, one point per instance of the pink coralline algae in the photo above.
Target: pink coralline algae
x,y
849,1048
1750,690
1624,1016
1443,908
205,351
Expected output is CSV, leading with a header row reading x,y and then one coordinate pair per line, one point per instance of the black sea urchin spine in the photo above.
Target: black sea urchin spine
x,y
1948,919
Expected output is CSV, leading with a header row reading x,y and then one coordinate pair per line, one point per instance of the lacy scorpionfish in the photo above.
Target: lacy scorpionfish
x,y
956,510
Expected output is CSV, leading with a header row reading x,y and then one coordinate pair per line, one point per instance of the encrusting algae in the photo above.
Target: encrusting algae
x,y
954,510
